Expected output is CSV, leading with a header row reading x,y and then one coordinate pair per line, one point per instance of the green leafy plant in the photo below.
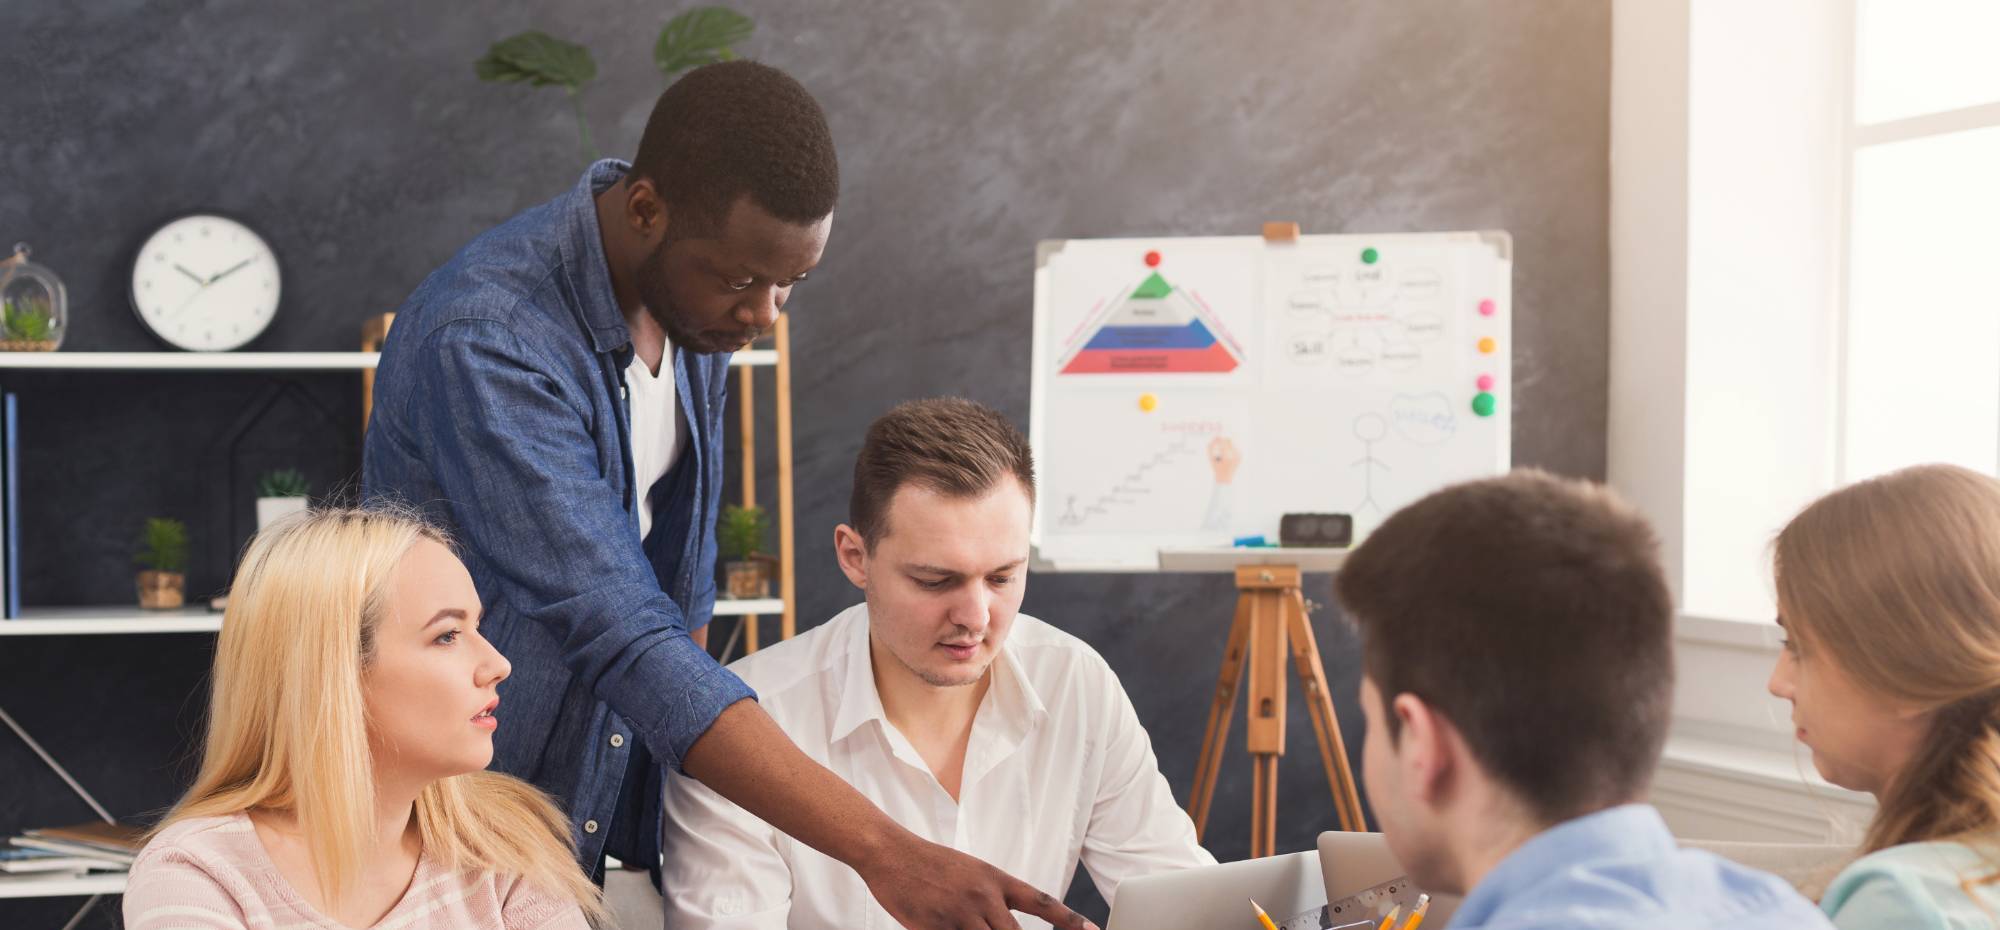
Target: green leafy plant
x,y
740,534
697,37
285,482
27,319
164,545
700,37
542,60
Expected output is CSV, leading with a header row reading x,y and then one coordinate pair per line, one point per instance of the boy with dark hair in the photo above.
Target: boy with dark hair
x,y
554,396
975,725
1517,678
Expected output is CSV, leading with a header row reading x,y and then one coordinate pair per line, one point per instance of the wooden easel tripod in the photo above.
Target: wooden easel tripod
x,y
1271,621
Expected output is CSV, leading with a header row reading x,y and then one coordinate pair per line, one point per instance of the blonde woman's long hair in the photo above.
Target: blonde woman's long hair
x,y
1897,579
287,729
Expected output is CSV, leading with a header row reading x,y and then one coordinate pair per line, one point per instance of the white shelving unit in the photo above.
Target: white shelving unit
x,y
67,621
62,886
189,361
246,361
74,621
127,619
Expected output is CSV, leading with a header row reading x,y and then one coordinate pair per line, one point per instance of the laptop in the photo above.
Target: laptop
x,y
1350,863
1217,897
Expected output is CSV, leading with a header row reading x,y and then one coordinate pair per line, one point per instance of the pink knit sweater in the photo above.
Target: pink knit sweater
x,y
212,873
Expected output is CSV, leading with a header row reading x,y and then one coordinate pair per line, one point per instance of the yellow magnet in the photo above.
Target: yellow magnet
x,y
1149,402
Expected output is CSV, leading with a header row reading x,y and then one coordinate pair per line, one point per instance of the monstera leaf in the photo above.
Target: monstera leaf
x,y
539,59
542,60
698,37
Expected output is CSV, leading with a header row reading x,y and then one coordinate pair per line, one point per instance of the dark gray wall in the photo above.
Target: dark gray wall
x,y
355,136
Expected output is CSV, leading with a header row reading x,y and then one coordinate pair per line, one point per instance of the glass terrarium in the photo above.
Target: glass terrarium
x,y
34,307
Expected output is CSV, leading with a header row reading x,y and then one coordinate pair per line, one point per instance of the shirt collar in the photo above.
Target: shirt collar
x,y
584,264
860,703
1011,704
1632,832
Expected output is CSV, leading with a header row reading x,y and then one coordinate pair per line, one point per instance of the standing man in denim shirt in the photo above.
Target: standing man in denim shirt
x,y
520,401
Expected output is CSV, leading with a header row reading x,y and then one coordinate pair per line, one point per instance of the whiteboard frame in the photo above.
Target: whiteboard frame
x,y
1213,560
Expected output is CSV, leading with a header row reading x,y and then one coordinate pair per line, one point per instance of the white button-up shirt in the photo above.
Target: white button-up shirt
x,y
1057,770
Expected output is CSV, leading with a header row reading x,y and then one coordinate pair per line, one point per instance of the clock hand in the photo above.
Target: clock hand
x,y
232,269
191,275
189,300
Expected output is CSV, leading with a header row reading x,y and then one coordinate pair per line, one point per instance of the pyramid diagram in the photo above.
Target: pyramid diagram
x,y
1156,329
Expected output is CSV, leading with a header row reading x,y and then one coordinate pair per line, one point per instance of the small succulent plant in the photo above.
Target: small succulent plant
x,y
27,319
164,545
285,482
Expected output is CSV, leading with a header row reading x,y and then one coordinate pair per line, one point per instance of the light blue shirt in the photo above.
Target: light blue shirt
x,y
1621,868
1916,886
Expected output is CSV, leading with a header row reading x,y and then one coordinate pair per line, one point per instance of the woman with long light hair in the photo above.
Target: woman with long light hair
x,y
1889,593
342,781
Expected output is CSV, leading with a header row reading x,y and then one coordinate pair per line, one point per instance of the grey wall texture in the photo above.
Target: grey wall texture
x,y
356,138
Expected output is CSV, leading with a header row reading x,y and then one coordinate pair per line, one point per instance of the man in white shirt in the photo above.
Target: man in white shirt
x,y
969,723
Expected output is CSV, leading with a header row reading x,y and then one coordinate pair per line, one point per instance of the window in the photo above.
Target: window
x,y
1921,341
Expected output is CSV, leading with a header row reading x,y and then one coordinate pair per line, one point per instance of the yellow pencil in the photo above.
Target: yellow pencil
x,y
1417,917
1390,920
1262,917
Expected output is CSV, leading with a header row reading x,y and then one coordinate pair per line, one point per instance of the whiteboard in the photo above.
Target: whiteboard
x,y
1188,392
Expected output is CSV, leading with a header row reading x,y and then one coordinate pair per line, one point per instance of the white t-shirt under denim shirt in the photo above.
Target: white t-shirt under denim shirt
x,y
659,430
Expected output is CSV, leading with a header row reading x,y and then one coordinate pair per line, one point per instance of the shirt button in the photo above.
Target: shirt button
x,y
617,740
590,826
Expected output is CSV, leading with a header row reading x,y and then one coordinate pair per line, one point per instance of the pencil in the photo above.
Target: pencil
x,y
1262,917
1390,920
1417,918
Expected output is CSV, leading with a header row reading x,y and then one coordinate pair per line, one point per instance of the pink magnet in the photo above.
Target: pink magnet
x,y
1487,307
1152,259
1486,382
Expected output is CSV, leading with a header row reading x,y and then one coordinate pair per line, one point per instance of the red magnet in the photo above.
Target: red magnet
x,y
1152,259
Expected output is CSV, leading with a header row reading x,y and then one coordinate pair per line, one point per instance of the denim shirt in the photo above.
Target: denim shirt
x,y
1620,868
499,410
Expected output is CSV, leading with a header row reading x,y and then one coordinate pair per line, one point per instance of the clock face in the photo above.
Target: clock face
x,y
205,283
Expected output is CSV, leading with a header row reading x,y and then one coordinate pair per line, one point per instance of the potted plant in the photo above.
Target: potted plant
x,y
164,552
33,305
26,325
740,536
280,494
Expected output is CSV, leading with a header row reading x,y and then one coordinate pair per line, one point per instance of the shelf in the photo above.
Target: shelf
x,y
70,621
190,361
81,621
62,886
244,361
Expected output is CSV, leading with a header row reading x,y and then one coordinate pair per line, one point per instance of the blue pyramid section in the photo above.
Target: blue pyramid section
x,y
1194,335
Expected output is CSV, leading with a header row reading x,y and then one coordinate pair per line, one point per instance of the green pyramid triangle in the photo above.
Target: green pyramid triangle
x,y
1154,288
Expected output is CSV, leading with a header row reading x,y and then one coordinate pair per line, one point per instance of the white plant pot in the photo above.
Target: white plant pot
x,y
272,509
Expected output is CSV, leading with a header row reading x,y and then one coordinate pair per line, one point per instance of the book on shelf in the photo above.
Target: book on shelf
x,y
10,513
112,837
113,844
78,850
7,515
26,861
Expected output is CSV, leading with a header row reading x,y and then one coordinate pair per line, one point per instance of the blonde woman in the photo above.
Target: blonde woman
x,y
1889,592
342,781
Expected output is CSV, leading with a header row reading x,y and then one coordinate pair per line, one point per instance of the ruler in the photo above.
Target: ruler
x,y
1362,908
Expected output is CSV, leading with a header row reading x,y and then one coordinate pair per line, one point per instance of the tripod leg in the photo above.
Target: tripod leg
x,y
1219,712
1264,727
1332,750
1264,806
